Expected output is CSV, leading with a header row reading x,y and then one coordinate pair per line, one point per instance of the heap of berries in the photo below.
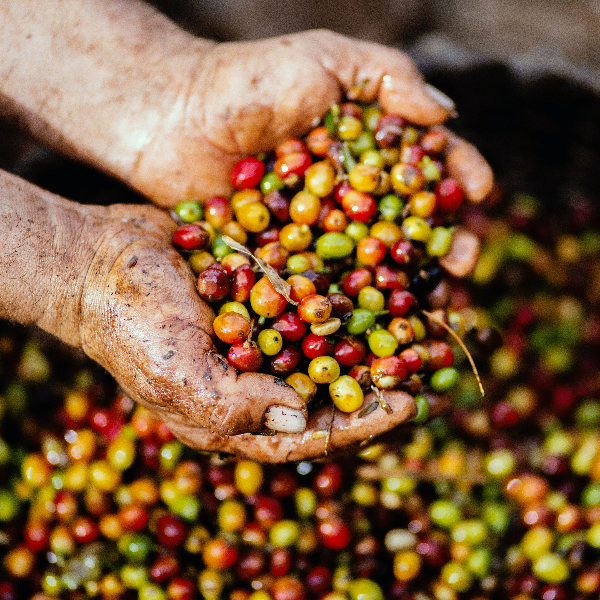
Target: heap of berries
x,y
320,263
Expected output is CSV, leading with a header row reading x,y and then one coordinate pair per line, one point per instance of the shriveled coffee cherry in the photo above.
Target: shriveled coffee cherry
x,y
191,237
245,356
213,284
341,306
247,173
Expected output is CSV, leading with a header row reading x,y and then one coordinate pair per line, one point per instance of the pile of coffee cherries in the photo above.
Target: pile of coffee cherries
x,y
500,499
351,222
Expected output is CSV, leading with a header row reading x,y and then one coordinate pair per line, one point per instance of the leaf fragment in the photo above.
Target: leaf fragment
x,y
368,409
281,286
381,400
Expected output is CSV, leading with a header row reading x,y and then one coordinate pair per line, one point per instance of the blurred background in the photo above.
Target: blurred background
x,y
561,36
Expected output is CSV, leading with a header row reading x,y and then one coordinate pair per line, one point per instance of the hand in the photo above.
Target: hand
x,y
171,113
142,319
244,98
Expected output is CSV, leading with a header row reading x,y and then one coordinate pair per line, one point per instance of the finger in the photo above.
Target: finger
x,y
463,253
469,168
368,71
347,431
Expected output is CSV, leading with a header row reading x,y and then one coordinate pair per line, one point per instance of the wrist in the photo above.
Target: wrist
x,y
100,79
46,246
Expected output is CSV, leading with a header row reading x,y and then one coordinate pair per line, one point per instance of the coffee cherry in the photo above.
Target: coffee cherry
x,y
245,356
388,372
314,309
324,369
346,393
213,284
191,237
247,173
231,327
265,300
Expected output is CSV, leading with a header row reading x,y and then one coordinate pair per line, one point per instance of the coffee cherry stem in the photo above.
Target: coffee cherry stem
x,y
435,318
381,400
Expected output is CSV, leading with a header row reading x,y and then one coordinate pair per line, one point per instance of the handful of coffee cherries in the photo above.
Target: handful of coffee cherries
x,y
320,265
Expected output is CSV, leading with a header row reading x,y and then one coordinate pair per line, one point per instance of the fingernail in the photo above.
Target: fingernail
x,y
441,99
284,419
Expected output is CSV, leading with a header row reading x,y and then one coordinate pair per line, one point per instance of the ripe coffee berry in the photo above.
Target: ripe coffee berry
x,y
335,250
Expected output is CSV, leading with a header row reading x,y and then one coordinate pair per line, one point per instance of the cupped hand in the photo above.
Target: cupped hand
x,y
239,99
142,319
243,99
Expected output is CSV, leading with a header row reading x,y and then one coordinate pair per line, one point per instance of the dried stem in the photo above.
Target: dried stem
x,y
375,473
460,343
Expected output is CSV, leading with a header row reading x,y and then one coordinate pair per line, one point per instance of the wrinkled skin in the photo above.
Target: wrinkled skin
x,y
171,116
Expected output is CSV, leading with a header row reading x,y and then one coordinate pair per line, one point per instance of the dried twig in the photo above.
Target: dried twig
x,y
460,343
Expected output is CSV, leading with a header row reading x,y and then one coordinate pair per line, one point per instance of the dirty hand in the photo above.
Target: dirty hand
x,y
118,85
108,281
